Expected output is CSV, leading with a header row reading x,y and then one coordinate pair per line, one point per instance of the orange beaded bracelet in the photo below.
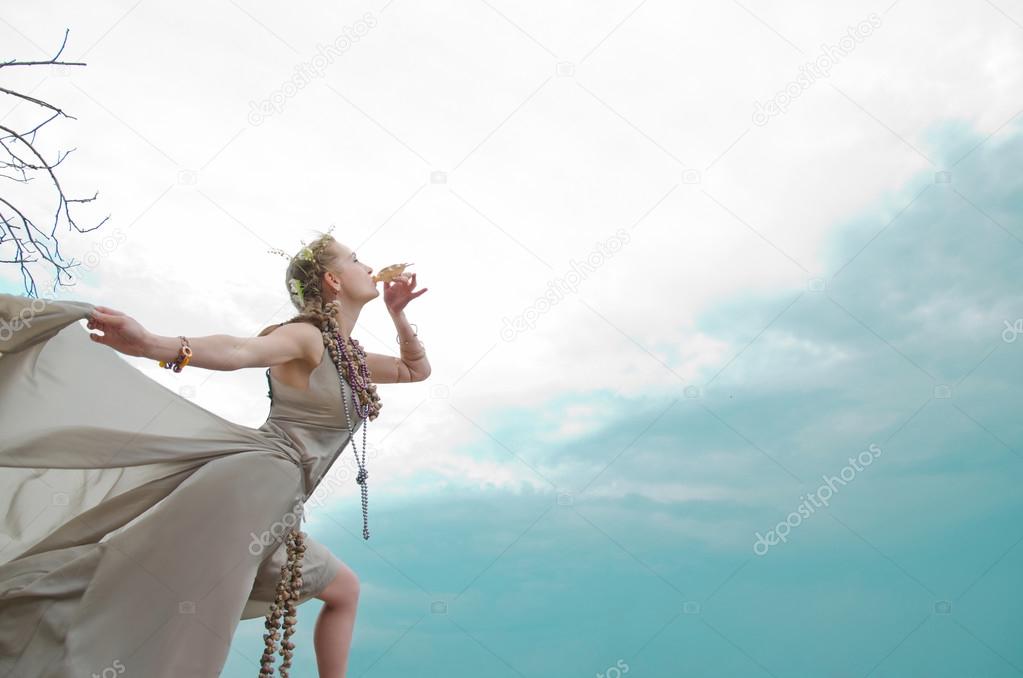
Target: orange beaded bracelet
x,y
184,357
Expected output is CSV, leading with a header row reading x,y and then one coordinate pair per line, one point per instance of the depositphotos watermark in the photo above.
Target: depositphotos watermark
x,y
92,259
339,474
809,72
617,670
277,530
314,68
115,669
99,250
571,280
1012,330
25,316
828,489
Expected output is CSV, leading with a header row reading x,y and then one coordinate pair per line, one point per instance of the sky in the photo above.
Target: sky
x,y
722,315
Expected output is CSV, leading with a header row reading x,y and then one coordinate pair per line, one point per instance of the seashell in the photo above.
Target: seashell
x,y
388,273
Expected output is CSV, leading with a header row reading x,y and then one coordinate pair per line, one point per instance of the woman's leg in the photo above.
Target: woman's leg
x,y
332,636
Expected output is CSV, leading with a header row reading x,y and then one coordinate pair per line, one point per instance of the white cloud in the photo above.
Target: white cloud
x,y
548,171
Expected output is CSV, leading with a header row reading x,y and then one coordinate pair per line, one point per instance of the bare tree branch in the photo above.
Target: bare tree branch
x,y
53,60
22,241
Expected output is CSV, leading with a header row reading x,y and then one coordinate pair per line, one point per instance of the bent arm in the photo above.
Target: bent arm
x,y
411,366
390,369
227,353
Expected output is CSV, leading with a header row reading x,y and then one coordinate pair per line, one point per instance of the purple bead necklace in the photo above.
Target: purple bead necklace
x,y
358,380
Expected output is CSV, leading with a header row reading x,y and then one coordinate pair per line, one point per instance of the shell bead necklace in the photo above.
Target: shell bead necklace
x,y
351,357
282,610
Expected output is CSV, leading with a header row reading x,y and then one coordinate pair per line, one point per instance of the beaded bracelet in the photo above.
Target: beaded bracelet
x,y
184,357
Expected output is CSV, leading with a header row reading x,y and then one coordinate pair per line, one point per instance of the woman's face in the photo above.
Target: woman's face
x,y
355,277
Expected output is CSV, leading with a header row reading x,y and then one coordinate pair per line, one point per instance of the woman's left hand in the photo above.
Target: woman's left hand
x,y
398,292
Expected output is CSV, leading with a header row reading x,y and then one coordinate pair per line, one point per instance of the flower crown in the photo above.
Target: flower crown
x,y
307,253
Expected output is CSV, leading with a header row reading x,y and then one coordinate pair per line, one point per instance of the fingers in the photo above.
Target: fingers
x,y
103,321
408,282
109,311
112,318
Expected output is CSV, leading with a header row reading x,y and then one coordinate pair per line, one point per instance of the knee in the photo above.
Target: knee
x,y
343,590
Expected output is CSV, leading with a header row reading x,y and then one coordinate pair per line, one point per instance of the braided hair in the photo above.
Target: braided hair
x,y
304,279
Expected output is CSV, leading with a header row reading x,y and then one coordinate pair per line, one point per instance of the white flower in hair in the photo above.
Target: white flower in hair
x,y
306,253
295,285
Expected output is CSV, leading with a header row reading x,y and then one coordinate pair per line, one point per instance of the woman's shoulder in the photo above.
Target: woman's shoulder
x,y
305,332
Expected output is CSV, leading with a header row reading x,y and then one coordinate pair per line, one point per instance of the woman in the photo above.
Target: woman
x,y
138,528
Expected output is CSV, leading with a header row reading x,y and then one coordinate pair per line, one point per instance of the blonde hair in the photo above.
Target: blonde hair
x,y
304,281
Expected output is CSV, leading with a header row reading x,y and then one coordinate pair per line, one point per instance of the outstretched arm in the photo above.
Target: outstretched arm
x,y
224,352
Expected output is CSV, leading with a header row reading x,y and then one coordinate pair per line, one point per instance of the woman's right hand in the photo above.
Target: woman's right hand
x,y
121,332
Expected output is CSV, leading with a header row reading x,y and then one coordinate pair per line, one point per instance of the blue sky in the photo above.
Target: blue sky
x,y
588,493
570,590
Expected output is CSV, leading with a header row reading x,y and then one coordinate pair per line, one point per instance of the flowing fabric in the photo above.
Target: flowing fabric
x,y
136,527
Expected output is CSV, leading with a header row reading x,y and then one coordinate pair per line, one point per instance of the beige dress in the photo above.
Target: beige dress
x,y
136,527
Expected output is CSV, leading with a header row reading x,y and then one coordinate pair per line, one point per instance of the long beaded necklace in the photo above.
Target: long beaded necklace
x,y
353,359
283,614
